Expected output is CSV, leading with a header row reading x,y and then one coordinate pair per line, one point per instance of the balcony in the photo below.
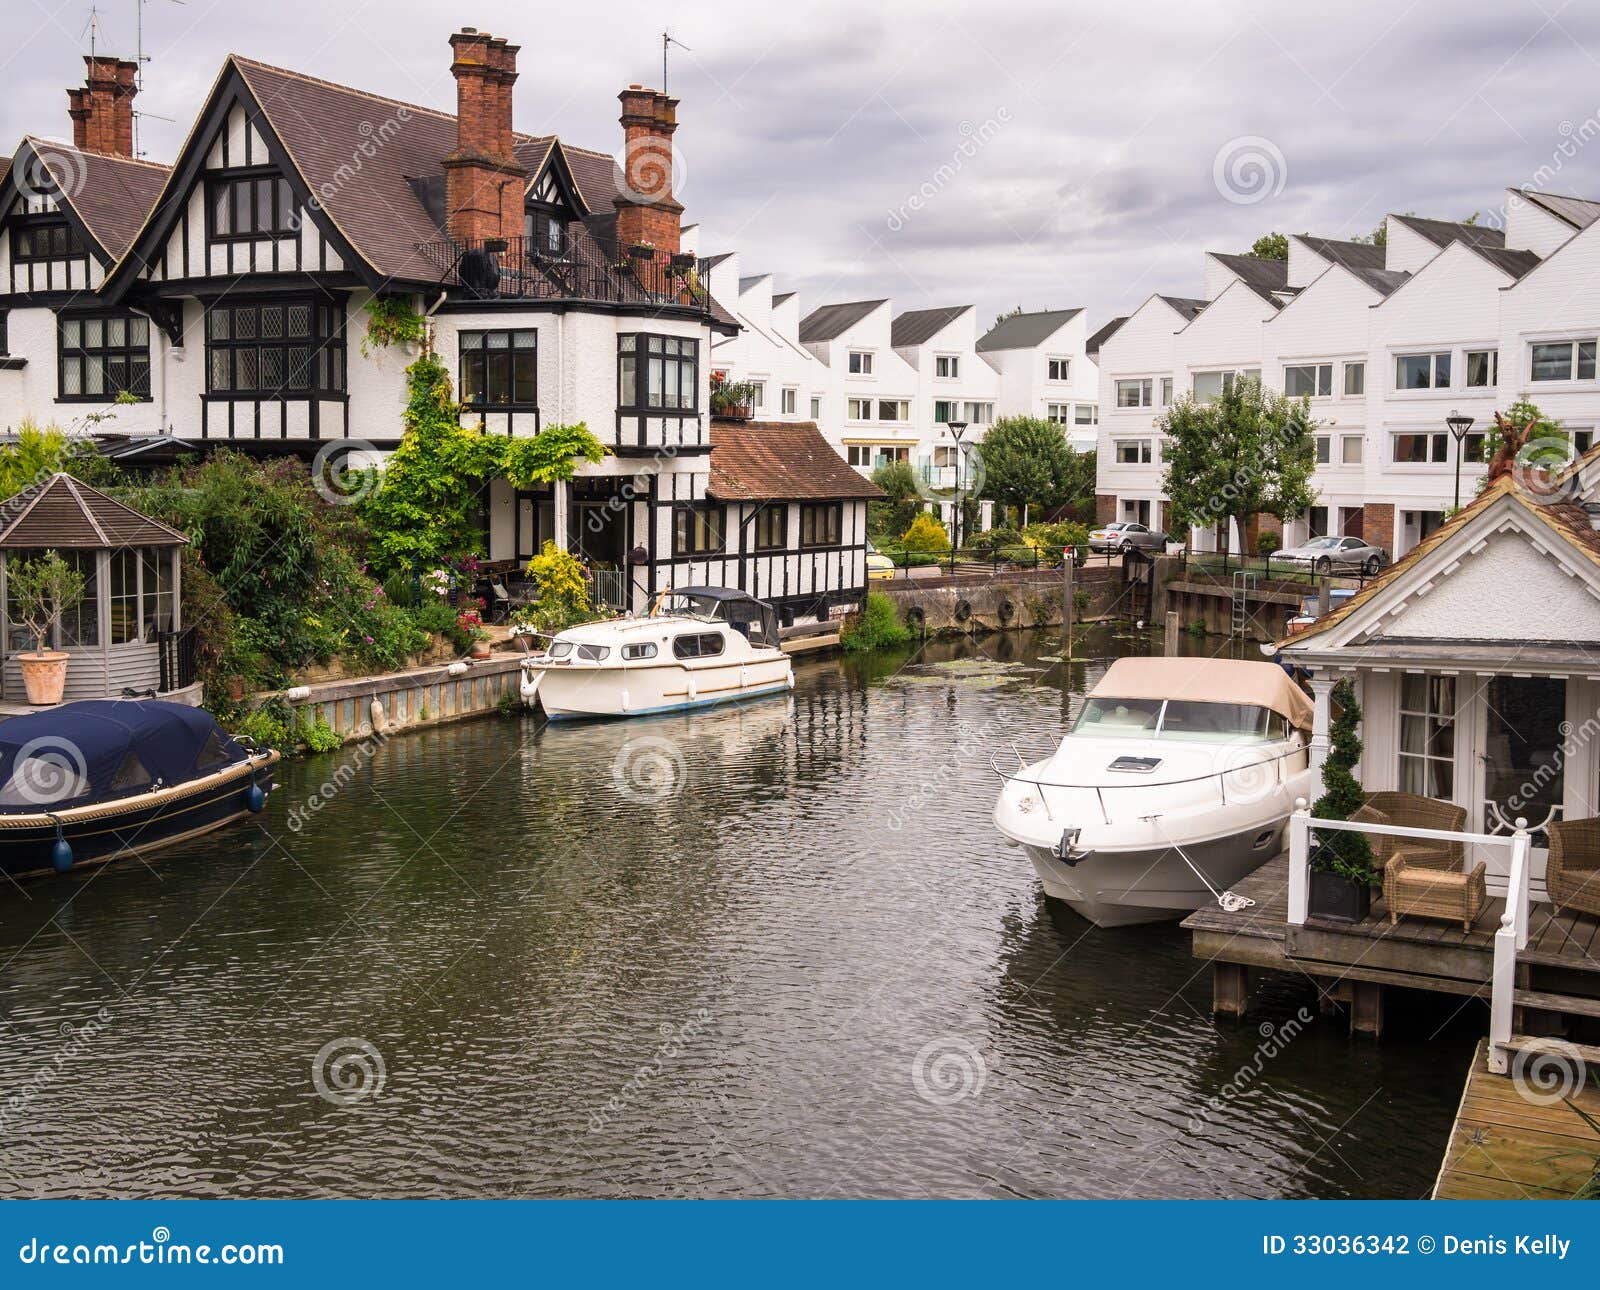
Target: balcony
x,y
518,268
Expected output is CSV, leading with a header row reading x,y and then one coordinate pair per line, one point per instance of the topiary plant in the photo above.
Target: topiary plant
x,y
1337,851
926,534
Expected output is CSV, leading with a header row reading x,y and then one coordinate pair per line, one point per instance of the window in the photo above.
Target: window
x,y
1212,385
1308,381
1060,413
644,649
1582,441
159,595
1563,361
658,373
1483,368
1133,394
1427,735
979,414
1133,452
772,528
251,206
77,626
758,395
1350,450
894,410
1086,414
860,363
698,645
1166,391
1355,380
499,369
1317,521
5,333
947,366
102,356
1058,368
45,777
1422,372
124,568
1323,450
696,529
945,456
816,408
819,524
131,775
274,349
544,234
869,455
859,410
51,239
1420,449
791,401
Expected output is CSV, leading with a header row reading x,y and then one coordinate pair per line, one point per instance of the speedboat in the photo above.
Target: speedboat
x,y
89,782
698,646
1176,781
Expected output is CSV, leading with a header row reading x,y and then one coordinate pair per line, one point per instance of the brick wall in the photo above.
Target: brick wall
x,y
1377,524
483,184
102,109
646,208
1105,508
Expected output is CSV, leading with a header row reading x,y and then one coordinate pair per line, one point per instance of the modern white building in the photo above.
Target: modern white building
x,y
1386,342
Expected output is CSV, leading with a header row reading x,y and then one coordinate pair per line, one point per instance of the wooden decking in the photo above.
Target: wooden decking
x,y
1514,1141
1416,953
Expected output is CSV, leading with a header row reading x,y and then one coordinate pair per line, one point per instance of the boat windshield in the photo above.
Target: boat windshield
x,y
1106,717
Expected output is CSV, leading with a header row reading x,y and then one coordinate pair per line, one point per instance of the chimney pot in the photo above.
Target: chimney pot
x,y
483,183
102,108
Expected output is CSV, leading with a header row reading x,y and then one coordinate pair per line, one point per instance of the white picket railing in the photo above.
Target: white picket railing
x,y
1511,936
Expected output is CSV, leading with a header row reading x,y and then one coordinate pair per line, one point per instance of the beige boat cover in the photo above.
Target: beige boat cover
x,y
1207,680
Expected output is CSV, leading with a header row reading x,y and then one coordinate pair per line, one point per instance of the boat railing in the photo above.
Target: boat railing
x,y
1510,937
1220,776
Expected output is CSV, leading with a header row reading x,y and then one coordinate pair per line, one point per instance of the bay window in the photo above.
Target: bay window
x,y
658,373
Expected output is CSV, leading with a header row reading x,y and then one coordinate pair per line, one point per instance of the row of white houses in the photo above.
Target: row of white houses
x,y
1387,341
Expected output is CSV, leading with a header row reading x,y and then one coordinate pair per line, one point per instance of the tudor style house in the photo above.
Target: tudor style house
x,y
1387,342
225,300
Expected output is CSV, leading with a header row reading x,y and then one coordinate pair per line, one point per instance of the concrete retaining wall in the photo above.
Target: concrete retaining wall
x,y
1003,601
403,700
1212,605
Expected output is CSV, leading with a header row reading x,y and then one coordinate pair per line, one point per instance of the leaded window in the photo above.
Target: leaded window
x,y
103,355
274,349
658,373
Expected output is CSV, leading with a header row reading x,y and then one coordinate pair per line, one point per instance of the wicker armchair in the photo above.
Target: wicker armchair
x,y
1408,810
1573,873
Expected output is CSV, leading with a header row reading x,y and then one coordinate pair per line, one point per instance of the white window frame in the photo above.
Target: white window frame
x,y
1573,344
1321,379
1423,391
952,361
790,403
1146,392
1494,367
859,409
1345,459
1060,413
1093,409
1433,437
1142,450
1055,364
859,362
758,395
816,407
979,413
1357,365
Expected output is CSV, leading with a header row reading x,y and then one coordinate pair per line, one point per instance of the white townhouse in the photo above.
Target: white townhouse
x,y
225,299
1445,320
1047,369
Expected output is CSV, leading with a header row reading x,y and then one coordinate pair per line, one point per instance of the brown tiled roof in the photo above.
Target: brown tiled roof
x,y
111,195
758,461
65,513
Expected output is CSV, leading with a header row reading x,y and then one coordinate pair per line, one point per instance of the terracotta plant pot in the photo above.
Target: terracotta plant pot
x,y
480,649
44,675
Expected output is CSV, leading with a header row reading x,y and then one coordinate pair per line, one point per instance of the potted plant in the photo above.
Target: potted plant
x,y
684,260
642,250
470,623
731,399
1342,872
525,629
41,591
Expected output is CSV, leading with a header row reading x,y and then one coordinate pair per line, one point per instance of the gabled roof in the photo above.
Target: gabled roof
x,y
711,261
110,195
1189,308
832,321
1516,263
1443,232
1352,255
1024,331
746,283
1576,211
1383,281
66,514
1091,347
916,326
761,461
781,297
1269,279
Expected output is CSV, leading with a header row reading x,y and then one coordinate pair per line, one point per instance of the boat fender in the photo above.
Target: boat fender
x,y
694,690
1007,609
791,678
254,798
915,618
60,852
963,610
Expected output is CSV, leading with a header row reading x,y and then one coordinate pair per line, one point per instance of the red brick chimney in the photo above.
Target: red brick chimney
x,y
646,209
102,110
483,184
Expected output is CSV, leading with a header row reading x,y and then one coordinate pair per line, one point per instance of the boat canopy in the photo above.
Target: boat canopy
x,y
105,748
755,618
1205,680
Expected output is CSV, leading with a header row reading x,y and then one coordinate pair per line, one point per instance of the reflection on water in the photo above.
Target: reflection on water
x,y
775,951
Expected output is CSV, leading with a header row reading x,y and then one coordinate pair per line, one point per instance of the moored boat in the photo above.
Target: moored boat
x,y
1175,782
698,646
88,782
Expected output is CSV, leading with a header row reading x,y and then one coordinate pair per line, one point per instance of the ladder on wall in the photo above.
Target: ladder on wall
x,y
1243,584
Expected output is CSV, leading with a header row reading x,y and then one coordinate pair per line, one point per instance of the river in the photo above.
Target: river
x,y
776,951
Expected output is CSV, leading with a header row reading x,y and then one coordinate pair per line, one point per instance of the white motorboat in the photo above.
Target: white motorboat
x,y
698,646
1175,782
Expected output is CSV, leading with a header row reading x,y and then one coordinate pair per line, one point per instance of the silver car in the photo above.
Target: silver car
x,y
1331,554
1124,535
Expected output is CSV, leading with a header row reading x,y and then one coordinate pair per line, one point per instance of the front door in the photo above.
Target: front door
x,y
1521,761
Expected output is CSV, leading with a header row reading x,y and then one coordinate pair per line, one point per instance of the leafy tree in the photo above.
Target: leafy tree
x,y
39,452
901,499
1271,246
1247,452
1341,852
1028,462
41,591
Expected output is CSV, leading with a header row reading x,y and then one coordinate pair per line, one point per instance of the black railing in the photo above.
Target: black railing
x,y
517,268
1222,565
990,561
178,662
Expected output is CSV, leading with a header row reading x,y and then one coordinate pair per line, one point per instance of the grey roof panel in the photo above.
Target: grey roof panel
x,y
1352,255
832,321
1442,232
917,326
1186,305
1091,346
1024,331
1577,211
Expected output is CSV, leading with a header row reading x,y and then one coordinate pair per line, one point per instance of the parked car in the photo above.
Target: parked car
x,y
1327,554
1124,535
879,566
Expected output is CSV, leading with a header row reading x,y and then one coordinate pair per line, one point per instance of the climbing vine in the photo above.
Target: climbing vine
x,y
392,321
428,508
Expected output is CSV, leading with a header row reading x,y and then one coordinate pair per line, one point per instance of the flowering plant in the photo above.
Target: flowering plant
x,y
437,581
470,623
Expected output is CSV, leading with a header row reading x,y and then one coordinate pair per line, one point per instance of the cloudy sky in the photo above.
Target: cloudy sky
x,y
1042,154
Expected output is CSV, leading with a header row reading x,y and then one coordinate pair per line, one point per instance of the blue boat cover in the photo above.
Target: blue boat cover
x,y
91,741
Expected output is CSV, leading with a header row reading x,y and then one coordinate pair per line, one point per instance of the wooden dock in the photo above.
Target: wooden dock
x,y
1352,963
1514,1141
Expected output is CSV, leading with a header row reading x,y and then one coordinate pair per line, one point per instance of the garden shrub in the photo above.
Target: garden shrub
x,y
563,589
926,535
1268,542
876,626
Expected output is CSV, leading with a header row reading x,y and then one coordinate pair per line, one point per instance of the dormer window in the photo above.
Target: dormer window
x,y
544,233
251,206
52,239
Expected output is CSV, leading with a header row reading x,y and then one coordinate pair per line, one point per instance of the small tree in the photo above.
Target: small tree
x,y
926,534
1247,452
900,500
1271,246
42,590
1027,461
1346,854
563,589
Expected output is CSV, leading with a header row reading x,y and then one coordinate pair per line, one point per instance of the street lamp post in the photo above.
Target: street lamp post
x,y
957,429
1459,425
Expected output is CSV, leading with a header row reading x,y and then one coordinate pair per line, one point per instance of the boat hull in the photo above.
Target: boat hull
x,y
578,693
1152,885
137,825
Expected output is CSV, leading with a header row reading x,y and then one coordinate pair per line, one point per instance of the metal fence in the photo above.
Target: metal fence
x,y
1225,565
990,562
179,663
